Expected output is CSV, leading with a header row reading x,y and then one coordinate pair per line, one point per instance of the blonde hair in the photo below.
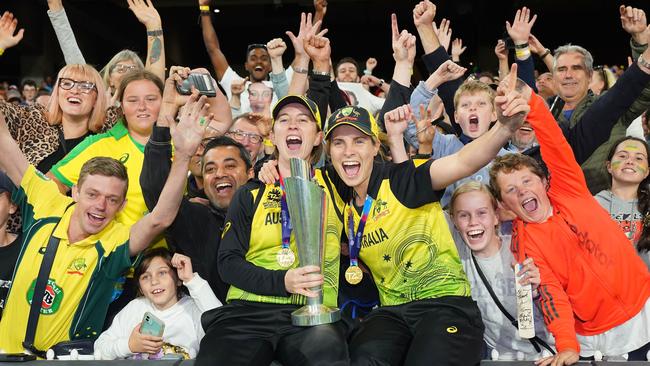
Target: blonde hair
x,y
472,87
124,55
81,72
471,186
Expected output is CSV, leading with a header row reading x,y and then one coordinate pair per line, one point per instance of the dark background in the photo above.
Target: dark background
x,y
356,28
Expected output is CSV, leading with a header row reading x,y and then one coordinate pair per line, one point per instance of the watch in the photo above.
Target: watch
x,y
322,73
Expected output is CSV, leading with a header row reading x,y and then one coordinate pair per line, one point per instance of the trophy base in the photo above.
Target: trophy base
x,y
310,315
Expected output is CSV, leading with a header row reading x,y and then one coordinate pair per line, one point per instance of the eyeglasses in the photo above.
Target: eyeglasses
x,y
84,86
122,68
241,135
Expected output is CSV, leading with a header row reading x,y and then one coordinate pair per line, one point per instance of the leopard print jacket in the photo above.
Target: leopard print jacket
x,y
38,139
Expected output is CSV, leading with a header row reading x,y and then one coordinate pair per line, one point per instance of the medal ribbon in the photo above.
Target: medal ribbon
x,y
354,240
284,215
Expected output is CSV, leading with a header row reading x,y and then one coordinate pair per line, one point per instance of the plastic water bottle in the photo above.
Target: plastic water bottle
x,y
494,355
598,356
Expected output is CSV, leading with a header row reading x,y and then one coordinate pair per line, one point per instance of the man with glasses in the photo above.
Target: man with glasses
x,y
245,131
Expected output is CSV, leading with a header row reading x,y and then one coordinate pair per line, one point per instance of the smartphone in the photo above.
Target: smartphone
x,y
203,82
151,325
16,357
510,44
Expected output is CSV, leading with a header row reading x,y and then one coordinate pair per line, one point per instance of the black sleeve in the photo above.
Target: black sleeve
x,y
341,188
156,166
336,97
233,266
446,91
319,92
411,184
595,125
397,96
526,71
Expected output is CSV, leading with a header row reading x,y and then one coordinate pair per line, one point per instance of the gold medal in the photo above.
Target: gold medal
x,y
353,275
285,257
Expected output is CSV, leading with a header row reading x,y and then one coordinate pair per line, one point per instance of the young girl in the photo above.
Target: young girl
x,y
483,250
627,199
160,277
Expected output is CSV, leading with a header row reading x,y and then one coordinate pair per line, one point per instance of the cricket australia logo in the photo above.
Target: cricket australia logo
x,y
77,266
51,298
380,210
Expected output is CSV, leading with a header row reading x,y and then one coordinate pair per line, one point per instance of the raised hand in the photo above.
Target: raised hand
x,y
403,43
306,29
171,99
443,33
535,45
318,48
371,63
8,26
519,31
144,343
55,5
183,265
448,71
320,6
425,130
238,86
423,13
512,100
634,22
276,47
300,280
204,2
501,51
457,49
193,120
397,120
146,13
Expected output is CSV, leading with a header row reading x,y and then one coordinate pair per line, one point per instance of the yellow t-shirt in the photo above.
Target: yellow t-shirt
x,y
406,242
82,278
115,143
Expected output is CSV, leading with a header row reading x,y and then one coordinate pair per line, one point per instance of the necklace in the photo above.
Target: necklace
x,y
632,216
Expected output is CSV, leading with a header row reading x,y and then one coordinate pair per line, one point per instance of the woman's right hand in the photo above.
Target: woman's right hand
x,y
269,172
300,280
171,99
144,343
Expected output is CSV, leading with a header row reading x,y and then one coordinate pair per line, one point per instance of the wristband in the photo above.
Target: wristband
x,y
2,50
300,70
367,72
521,46
204,7
321,73
268,143
643,62
522,53
155,33
546,53
381,82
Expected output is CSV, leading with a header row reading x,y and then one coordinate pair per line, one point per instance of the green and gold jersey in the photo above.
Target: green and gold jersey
x,y
252,237
406,243
115,143
81,281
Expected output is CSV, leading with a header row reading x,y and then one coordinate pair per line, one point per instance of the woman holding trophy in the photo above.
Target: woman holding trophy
x,y
268,279
397,228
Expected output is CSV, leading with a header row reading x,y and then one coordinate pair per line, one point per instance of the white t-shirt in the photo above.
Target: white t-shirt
x,y
245,107
182,322
499,334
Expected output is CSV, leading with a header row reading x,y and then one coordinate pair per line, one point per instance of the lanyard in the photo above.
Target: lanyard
x,y
354,240
284,215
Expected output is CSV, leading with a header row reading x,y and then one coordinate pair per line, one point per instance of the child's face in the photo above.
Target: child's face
x,y
474,113
158,284
6,207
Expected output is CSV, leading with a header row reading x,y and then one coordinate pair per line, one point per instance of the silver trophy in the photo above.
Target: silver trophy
x,y
307,203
